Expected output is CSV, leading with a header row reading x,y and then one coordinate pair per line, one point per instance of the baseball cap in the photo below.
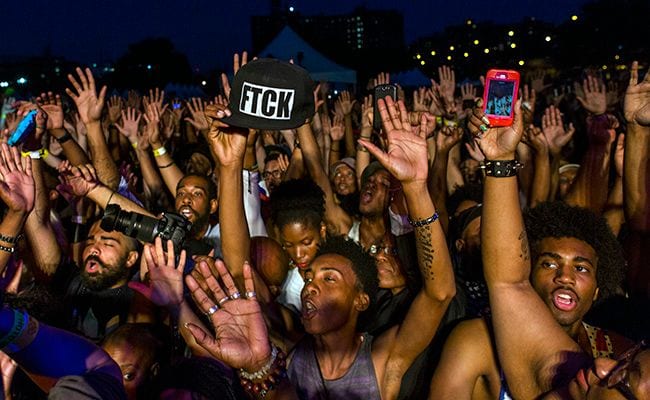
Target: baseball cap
x,y
270,94
349,161
370,170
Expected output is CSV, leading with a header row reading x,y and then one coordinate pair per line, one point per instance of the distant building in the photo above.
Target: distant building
x,y
353,39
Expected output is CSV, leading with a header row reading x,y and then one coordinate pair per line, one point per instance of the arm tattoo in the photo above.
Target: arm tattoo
x,y
425,251
525,252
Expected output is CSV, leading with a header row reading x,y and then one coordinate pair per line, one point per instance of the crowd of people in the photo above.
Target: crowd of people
x,y
271,243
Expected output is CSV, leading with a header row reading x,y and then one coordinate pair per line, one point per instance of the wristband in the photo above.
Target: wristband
x,y
166,165
66,136
159,152
25,336
423,222
20,321
135,145
501,168
36,154
10,239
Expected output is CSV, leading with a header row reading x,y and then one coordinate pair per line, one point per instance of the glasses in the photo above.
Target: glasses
x,y
277,174
387,250
619,377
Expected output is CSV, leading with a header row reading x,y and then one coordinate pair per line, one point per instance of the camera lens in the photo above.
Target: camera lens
x,y
132,224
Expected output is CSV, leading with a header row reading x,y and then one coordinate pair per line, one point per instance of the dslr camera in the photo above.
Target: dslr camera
x,y
171,226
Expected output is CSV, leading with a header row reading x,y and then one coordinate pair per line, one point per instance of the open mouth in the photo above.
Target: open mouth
x,y
186,211
92,267
308,309
565,300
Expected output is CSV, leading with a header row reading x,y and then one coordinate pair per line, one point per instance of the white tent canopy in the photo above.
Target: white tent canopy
x,y
289,45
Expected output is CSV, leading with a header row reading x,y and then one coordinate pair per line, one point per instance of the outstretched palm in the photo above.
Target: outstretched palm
x,y
165,278
17,188
406,158
241,339
89,104
637,98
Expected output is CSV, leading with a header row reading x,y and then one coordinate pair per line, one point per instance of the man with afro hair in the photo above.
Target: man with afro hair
x,y
576,261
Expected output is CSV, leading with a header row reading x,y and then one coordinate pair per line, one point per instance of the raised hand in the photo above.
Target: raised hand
x,y
594,98
553,128
421,100
447,78
367,112
152,118
133,100
637,98
467,91
114,109
406,158
496,143
528,98
475,151
337,131
236,64
241,339
156,97
130,124
51,104
447,137
17,189
317,101
346,102
197,118
89,104
78,180
534,137
165,288
228,144
383,78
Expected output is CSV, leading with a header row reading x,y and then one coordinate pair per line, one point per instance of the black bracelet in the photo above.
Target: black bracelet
x,y
501,168
10,239
66,136
422,222
166,166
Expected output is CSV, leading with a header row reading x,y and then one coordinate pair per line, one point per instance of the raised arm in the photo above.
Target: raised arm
x,y
38,228
90,106
229,146
338,221
406,160
17,192
51,104
529,341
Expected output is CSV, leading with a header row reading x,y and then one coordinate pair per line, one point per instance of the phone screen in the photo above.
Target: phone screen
x,y
500,97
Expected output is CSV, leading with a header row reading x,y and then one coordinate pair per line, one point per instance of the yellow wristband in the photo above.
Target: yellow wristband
x,y
134,145
159,152
36,154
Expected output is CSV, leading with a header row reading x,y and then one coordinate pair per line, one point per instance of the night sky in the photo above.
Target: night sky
x,y
208,32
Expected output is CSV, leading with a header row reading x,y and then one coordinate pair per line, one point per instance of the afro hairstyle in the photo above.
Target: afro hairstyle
x,y
298,200
556,219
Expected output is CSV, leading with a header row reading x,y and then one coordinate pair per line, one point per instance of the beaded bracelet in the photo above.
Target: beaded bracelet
x,y
7,249
423,222
10,239
268,378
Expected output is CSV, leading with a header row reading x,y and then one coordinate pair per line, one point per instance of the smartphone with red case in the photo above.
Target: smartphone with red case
x,y
500,96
